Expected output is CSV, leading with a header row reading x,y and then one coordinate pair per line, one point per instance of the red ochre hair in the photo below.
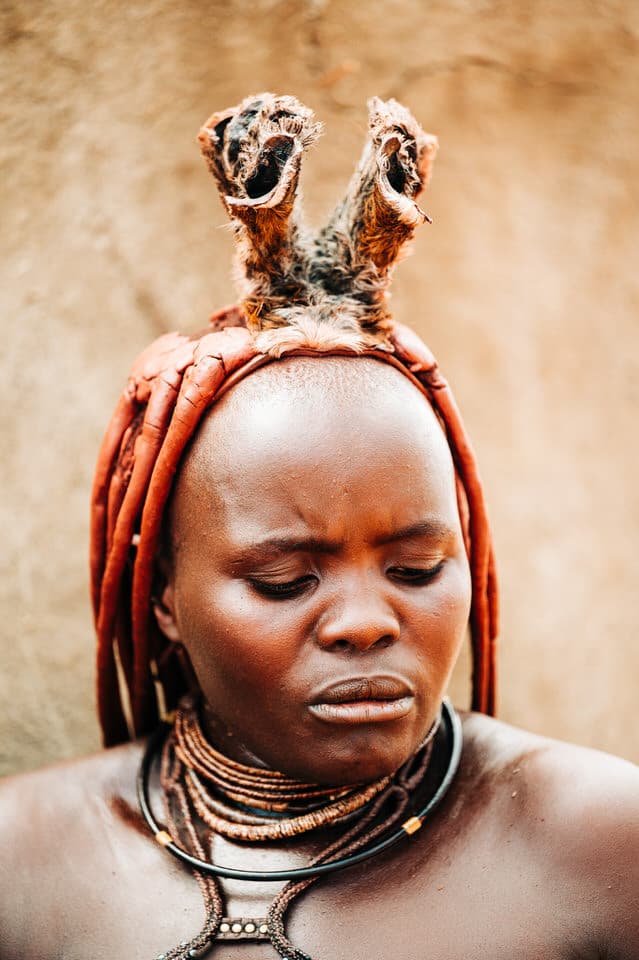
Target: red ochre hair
x,y
302,294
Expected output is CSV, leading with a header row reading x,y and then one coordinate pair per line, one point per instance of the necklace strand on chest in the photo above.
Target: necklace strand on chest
x,y
200,784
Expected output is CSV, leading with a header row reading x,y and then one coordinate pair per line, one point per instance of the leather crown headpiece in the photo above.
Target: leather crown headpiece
x,y
313,294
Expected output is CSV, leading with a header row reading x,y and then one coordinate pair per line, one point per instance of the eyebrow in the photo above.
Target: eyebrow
x,y
272,546
433,529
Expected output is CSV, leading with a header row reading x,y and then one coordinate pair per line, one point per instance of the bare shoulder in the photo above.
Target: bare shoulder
x,y
564,783
498,741
69,807
80,875
59,792
575,809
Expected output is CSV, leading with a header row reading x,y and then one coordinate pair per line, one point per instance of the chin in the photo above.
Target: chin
x,y
370,756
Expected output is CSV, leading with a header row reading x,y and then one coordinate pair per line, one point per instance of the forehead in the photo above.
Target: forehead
x,y
328,397
306,434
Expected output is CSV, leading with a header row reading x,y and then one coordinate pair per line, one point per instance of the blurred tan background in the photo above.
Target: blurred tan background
x,y
526,288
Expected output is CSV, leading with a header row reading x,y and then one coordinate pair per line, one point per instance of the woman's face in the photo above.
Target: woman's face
x,y
318,580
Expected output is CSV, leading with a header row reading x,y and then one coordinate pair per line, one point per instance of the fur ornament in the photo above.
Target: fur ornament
x,y
326,290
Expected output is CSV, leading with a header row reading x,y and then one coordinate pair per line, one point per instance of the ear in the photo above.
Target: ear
x,y
163,605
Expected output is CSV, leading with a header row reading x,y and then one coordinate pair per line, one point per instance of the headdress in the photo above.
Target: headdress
x,y
301,292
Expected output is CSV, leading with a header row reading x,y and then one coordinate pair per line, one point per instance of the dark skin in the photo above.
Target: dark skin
x,y
535,851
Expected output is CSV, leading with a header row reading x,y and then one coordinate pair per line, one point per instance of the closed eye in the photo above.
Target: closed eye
x,y
283,591
415,576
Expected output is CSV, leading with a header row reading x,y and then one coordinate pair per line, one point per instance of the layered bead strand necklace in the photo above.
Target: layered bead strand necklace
x,y
206,793
212,780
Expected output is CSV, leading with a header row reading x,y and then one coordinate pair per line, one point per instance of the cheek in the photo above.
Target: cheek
x,y
446,612
459,593
230,638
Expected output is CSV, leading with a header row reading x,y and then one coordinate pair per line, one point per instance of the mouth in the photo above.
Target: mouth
x,y
363,700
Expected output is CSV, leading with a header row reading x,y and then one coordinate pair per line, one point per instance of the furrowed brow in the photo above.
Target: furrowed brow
x,y
435,530
273,547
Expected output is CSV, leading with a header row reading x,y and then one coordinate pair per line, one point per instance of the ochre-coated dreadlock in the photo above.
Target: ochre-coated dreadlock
x,y
301,294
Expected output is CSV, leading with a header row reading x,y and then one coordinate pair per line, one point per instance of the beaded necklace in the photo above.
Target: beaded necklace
x,y
201,786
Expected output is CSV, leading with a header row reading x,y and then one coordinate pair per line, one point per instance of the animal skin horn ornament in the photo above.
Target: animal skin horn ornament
x,y
338,278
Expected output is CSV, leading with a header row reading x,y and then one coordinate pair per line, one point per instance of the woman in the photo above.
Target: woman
x,y
288,543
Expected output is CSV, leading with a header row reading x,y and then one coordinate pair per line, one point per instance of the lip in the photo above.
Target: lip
x,y
352,689
376,699
362,711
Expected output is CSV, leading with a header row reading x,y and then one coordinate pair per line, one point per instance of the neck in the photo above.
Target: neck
x,y
215,737
251,803
223,739
418,786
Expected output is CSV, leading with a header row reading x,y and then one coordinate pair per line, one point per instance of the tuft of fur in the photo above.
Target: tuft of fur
x,y
328,290
254,151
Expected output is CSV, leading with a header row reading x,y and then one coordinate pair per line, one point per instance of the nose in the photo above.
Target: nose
x,y
357,617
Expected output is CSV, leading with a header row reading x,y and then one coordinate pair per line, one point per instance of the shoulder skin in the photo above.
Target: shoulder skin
x,y
576,812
